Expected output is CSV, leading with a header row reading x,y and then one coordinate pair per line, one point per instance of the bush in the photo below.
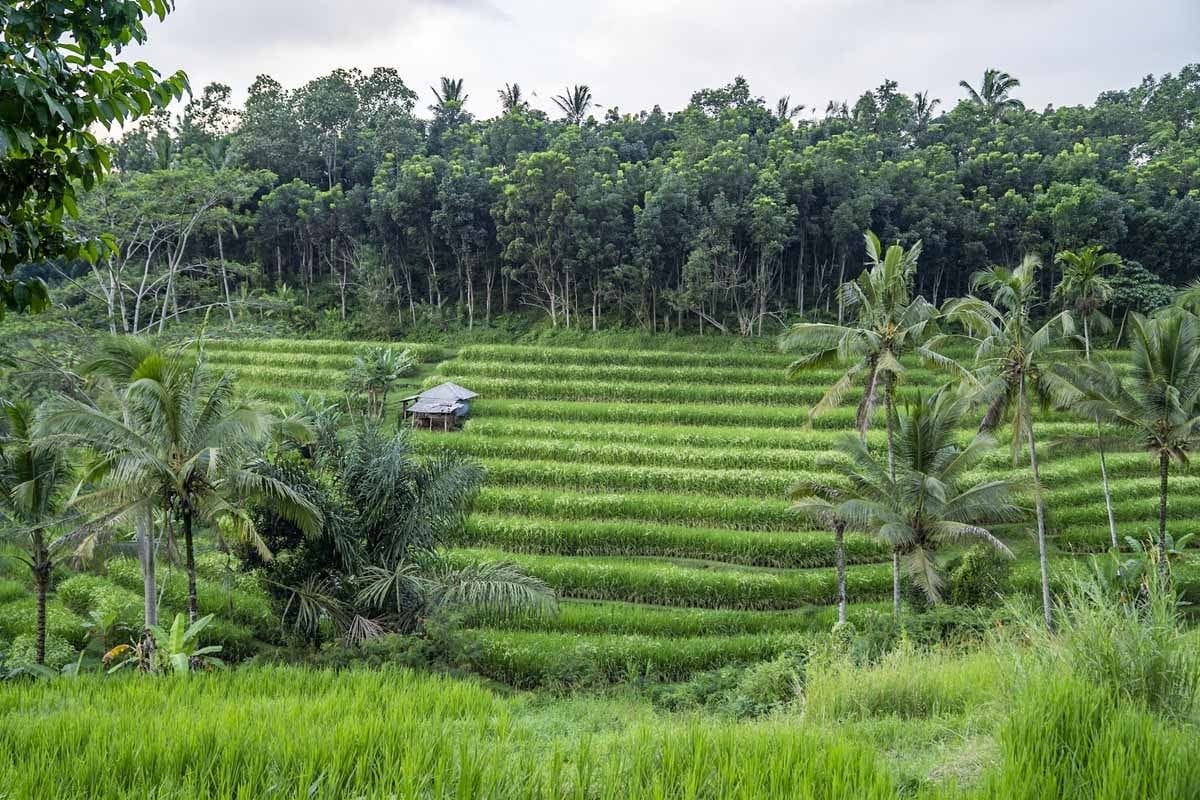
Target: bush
x,y
980,577
19,618
767,687
22,653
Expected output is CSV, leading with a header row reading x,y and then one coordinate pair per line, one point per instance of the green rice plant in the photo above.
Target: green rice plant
x,y
11,590
905,682
716,512
761,440
670,375
256,358
593,617
297,378
1068,738
422,351
287,732
531,659
615,538
667,583
612,356
620,477
594,452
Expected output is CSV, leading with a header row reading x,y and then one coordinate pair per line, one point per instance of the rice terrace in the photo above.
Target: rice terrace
x,y
365,441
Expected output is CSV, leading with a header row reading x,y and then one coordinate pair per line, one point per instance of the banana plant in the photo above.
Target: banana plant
x,y
177,649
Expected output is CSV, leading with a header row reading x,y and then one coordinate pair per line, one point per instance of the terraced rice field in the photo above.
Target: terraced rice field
x,y
648,487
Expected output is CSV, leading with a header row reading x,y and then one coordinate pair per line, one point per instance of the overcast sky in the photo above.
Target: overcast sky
x,y
638,53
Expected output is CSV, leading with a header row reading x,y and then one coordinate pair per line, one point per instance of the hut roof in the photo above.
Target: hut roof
x,y
448,391
434,406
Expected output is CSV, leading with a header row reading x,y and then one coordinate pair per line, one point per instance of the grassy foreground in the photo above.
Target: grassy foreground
x,y
929,726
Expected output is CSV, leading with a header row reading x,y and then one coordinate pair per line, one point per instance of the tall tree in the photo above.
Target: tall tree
x,y
923,501
574,102
60,80
33,485
183,444
512,98
1011,358
1086,288
994,93
1157,405
888,323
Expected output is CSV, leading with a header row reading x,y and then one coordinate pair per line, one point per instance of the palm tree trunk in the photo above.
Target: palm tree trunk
x,y
1164,467
1108,505
1040,505
896,584
145,542
41,582
889,401
190,555
839,544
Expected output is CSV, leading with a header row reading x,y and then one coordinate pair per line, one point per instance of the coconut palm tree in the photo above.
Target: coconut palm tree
x,y
994,93
784,110
1085,288
1157,406
821,504
33,484
1011,357
512,98
924,500
182,443
923,108
450,94
888,322
575,102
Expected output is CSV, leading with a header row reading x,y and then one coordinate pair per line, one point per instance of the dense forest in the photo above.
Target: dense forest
x,y
729,214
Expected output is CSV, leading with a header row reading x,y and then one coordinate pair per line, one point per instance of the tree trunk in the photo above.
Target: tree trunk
x,y
1108,504
41,583
895,584
1040,505
839,543
145,542
1164,468
190,555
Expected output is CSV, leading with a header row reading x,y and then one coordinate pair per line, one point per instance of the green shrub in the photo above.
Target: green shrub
x,y
980,577
20,618
767,687
22,653
11,590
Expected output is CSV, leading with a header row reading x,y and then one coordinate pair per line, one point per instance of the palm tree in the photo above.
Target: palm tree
x,y
821,504
450,95
398,510
182,444
888,323
1011,357
33,480
923,108
575,102
1158,405
993,93
785,110
511,98
924,500
1086,288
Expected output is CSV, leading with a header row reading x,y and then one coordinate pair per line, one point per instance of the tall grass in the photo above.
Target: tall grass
x,y
289,733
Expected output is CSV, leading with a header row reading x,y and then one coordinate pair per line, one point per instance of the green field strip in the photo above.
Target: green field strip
x,y
527,659
609,356
614,616
422,351
539,535
719,512
665,583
